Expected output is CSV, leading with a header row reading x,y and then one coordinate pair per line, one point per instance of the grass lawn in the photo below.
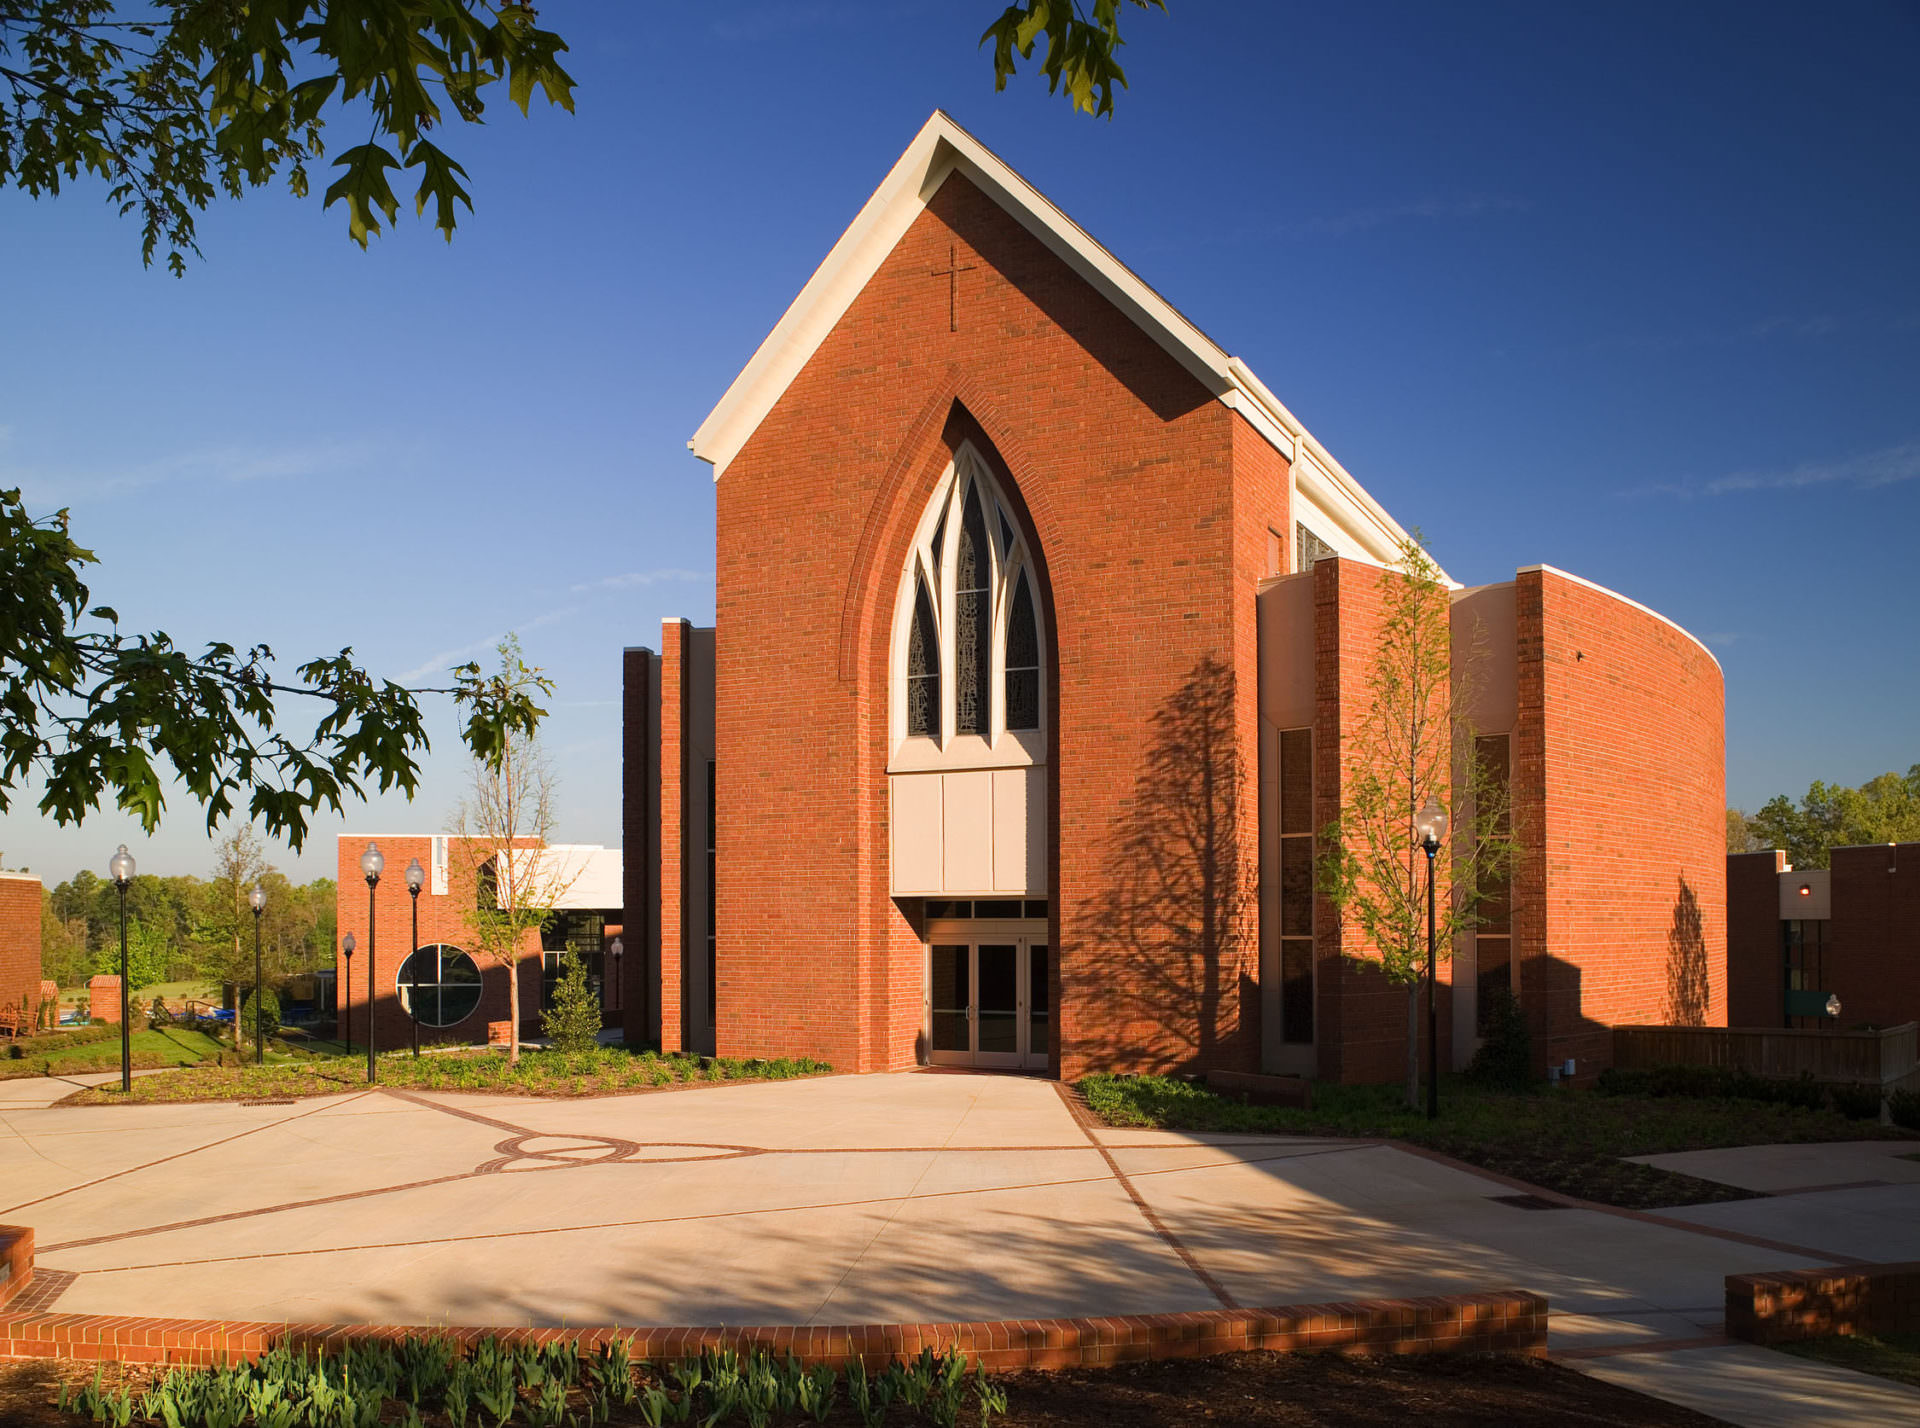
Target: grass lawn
x,y
608,1070
1896,1357
1569,1141
152,1050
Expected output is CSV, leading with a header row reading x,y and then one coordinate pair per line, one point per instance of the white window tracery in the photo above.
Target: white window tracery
x,y
968,654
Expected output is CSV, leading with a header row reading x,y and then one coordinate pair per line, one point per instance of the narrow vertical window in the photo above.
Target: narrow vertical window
x,y
1296,886
1493,934
939,546
1023,661
972,620
923,669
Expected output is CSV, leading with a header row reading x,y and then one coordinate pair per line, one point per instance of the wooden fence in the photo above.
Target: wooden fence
x,y
1889,1058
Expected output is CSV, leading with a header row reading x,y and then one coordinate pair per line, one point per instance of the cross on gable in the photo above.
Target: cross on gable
x,y
952,273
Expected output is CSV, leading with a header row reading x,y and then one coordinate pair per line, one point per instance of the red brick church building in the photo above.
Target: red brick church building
x,y
1040,623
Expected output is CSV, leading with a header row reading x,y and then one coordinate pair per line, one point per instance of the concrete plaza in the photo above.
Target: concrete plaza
x,y
858,1199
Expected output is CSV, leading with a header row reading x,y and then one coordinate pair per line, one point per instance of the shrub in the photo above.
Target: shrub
x,y
572,1023
1505,1059
1714,1083
31,1046
269,1006
1904,1109
1860,1103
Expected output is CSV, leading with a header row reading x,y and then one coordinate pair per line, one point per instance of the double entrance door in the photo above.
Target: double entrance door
x,y
988,1002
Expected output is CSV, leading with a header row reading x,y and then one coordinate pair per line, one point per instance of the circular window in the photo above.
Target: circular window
x,y
447,983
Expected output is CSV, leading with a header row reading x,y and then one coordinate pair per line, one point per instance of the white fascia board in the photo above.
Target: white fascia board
x,y
1625,600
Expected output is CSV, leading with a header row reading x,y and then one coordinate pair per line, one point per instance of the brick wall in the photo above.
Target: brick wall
x,y
103,998
1504,1321
1754,976
20,899
675,637
1148,511
442,919
1873,939
1620,797
1871,1299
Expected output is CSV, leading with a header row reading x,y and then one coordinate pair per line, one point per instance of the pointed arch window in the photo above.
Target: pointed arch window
x,y
972,619
968,659
923,668
1023,660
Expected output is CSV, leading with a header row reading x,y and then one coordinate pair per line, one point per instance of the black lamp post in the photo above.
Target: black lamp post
x,y
1431,825
343,994
371,863
257,900
416,876
121,866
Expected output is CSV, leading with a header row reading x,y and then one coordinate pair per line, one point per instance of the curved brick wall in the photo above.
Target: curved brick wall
x,y
1619,786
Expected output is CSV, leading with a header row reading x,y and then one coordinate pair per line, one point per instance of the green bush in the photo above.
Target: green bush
x,y
572,1023
30,1046
269,1005
1904,1109
1860,1103
1714,1083
1505,1059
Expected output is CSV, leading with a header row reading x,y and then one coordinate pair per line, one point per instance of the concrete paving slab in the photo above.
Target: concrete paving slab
x,y
1879,1224
1760,1388
1788,1169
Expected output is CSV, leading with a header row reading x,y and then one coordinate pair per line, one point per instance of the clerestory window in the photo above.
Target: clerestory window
x,y
967,652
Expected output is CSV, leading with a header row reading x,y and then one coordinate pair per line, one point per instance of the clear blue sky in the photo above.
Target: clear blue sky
x,y
1629,289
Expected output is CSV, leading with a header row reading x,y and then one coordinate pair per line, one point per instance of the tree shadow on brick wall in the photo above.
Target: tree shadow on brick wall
x,y
1687,991
1163,949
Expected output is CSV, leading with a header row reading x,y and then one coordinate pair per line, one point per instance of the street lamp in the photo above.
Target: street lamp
x,y
1431,826
257,900
121,867
371,863
416,876
343,994
616,992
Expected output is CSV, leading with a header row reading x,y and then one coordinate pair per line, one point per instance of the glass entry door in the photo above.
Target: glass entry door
x,y
987,1000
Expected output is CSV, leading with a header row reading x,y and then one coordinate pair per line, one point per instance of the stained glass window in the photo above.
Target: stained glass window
x,y
972,619
1023,661
923,669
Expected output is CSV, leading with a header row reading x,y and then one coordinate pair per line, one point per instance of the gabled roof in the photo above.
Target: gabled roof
x,y
943,148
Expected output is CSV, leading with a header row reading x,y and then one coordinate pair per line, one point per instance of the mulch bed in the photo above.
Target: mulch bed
x,y
1260,1389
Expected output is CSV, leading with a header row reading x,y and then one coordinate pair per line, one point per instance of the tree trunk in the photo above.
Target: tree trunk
x,y
1413,1045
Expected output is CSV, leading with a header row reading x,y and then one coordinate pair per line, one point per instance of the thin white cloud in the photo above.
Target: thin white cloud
x,y
1359,220
445,660
636,578
47,486
1889,466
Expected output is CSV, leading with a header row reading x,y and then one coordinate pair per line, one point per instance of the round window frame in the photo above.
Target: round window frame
x,y
402,988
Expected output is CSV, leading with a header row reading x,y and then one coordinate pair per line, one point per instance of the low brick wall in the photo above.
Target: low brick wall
x,y
1511,1321
16,1262
1814,1303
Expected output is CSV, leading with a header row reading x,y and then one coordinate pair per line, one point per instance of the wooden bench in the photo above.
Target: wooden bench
x,y
15,1021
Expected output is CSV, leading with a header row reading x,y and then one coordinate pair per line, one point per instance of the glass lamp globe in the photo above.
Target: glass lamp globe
x,y
121,865
1431,823
372,863
257,899
347,944
416,876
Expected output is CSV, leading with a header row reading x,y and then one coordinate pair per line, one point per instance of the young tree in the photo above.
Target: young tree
x,y
504,824
225,929
1414,742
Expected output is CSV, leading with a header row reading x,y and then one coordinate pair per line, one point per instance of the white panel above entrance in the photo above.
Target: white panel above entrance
x,y
969,832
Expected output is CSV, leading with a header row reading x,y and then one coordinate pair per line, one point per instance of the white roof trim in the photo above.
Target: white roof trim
x,y
940,149
1625,600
